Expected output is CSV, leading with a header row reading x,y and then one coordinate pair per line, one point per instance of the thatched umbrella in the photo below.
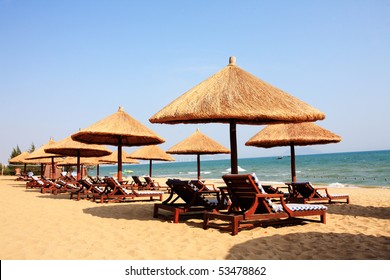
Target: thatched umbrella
x,y
297,134
198,144
39,155
118,129
235,96
69,147
152,152
20,159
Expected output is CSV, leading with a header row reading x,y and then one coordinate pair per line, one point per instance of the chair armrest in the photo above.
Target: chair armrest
x,y
269,195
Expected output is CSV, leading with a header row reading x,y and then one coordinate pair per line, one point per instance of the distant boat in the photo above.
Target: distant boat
x,y
128,171
279,157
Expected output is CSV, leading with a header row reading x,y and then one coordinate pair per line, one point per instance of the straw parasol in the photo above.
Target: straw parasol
x,y
39,155
69,147
118,129
235,96
20,159
198,144
297,134
152,152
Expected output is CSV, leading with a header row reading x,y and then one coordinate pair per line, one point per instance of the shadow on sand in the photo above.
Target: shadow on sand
x,y
129,211
313,246
358,210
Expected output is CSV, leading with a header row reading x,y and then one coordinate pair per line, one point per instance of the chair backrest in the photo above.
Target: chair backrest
x,y
85,183
137,180
305,189
242,189
202,186
148,180
187,191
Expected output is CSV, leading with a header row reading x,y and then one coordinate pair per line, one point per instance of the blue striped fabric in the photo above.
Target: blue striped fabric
x,y
299,207
292,206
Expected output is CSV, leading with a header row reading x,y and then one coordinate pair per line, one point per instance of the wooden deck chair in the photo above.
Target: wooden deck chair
x,y
88,189
251,203
151,184
35,182
272,190
305,192
48,185
202,186
116,192
185,197
137,183
62,186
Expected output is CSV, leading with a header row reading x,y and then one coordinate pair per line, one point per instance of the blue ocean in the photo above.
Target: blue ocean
x,y
352,169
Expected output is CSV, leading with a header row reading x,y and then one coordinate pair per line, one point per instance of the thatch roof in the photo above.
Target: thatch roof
x,y
70,147
113,158
234,94
298,134
118,125
40,152
198,143
19,158
151,152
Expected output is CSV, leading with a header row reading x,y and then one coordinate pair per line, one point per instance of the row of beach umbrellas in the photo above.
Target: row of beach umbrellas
x,y
232,96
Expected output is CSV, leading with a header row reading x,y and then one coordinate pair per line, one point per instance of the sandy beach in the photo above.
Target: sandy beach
x,y
37,226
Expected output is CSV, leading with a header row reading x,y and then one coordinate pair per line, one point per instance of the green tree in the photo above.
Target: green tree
x,y
32,148
15,152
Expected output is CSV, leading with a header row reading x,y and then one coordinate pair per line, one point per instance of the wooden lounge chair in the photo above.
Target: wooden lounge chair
x,y
193,201
305,192
137,183
251,203
35,182
62,186
202,186
115,192
88,190
151,184
272,190
43,184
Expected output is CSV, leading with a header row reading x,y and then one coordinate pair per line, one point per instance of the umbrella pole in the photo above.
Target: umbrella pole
x,y
42,170
120,158
198,160
293,172
97,170
78,166
53,172
233,147
150,168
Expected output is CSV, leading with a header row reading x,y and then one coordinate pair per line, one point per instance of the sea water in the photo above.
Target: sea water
x,y
338,169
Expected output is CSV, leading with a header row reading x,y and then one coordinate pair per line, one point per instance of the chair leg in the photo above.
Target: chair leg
x,y
235,222
323,218
176,216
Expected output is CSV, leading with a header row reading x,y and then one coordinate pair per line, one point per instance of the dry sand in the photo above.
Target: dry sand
x,y
37,226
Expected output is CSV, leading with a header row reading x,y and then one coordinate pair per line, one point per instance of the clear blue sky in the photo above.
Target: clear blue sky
x,y
67,64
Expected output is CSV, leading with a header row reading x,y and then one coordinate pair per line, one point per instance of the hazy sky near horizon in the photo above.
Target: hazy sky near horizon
x,y
66,64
